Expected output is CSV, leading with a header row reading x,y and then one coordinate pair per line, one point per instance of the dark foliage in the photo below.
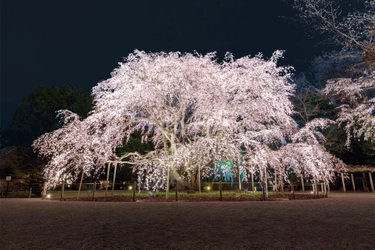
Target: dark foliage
x,y
36,114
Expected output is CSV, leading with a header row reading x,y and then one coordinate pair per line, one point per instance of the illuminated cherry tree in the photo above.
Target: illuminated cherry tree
x,y
307,156
357,106
353,30
79,145
194,110
346,75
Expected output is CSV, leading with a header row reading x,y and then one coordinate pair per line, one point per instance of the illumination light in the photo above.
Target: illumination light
x,y
48,196
130,187
208,188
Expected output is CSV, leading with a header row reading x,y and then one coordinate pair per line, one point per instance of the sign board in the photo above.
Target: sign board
x,y
105,184
8,178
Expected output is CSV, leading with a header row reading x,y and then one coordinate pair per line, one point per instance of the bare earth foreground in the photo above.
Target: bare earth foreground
x,y
342,221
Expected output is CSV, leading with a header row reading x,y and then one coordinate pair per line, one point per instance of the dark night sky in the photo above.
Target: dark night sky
x,y
81,42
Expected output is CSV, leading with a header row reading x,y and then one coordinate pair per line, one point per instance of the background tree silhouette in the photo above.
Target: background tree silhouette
x,y
36,114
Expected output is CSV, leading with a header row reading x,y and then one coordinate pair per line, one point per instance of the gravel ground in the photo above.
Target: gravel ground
x,y
342,221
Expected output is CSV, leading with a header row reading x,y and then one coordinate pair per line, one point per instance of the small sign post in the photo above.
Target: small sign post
x,y
8,179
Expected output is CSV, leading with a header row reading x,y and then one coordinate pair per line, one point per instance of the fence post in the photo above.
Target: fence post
x,y
316,193
221,192
93,191
263,190
325,189
62,191
80,185
199,181
134,188
303,183
6,191
266,182
252,182
292,189
44,192
107,182
114,180
353,183
343,183
371,182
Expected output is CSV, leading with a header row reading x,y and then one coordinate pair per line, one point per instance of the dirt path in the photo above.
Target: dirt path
x,y
343,221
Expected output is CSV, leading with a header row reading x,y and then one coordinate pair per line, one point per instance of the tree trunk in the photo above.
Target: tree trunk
x,y
193,185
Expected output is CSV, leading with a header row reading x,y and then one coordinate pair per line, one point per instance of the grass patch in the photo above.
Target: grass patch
x,y
185,194
127,195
